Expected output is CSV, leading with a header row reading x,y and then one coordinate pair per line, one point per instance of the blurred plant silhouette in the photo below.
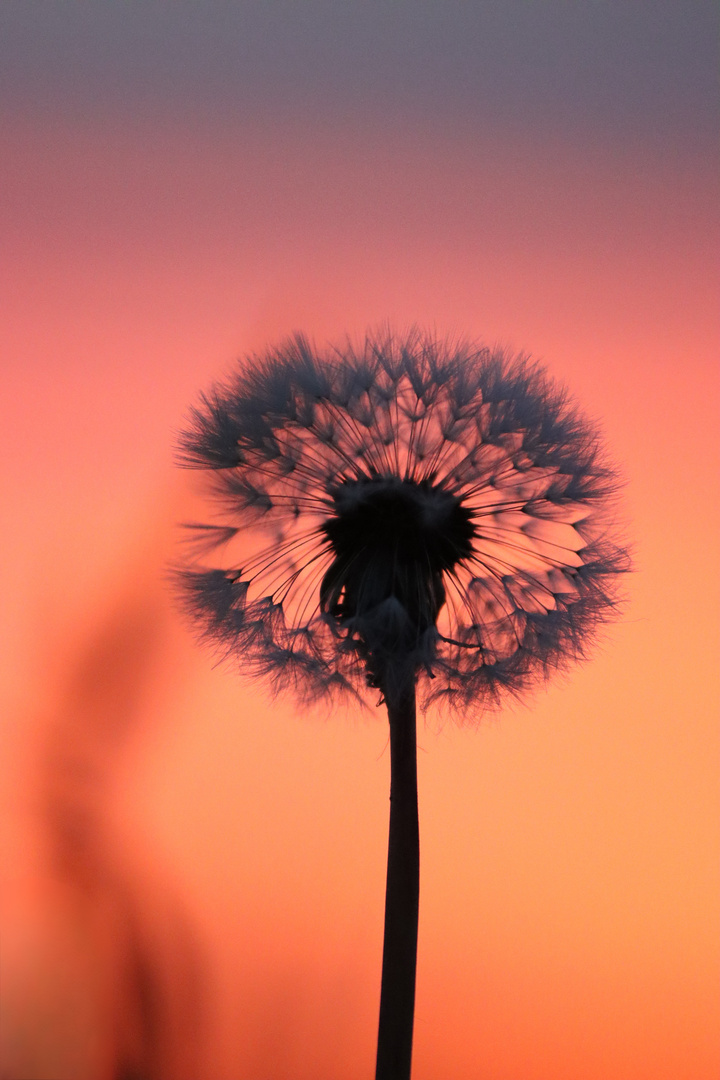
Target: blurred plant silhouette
x,y
409,514
107,983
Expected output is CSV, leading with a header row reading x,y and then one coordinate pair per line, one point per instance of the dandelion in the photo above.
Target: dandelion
x,y
410,516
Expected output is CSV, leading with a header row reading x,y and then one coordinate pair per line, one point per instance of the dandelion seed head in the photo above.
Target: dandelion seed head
x,y
409,508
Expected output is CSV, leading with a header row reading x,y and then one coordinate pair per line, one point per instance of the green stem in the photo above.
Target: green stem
x,y
397,995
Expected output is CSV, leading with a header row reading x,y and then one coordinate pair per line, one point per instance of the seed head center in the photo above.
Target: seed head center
x,y
402,521
392,541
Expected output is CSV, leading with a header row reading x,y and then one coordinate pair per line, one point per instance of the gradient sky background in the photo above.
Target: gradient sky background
x,y
185,182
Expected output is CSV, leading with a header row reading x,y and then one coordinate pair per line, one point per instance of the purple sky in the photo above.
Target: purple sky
x,y
640,71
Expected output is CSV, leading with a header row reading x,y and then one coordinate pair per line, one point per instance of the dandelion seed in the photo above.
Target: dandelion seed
x,y
412,515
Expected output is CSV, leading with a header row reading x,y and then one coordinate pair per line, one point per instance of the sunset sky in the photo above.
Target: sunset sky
x,y
184,183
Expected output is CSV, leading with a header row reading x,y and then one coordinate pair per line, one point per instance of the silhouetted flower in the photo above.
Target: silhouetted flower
x,y
412,511
413,507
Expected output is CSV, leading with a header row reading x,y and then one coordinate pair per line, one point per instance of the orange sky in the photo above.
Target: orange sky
x,y
569,880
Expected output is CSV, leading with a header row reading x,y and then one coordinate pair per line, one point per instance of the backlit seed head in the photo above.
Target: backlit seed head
x,y
409,509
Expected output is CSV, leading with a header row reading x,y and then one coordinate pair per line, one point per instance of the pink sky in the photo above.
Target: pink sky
x,y
568,850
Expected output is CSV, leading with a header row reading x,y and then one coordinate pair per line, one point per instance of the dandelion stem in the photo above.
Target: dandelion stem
x,y
397,995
